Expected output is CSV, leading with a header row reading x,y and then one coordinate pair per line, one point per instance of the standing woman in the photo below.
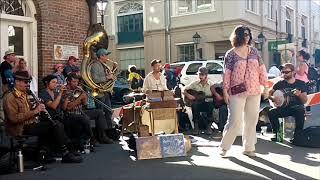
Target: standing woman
x,y
302,72
244,74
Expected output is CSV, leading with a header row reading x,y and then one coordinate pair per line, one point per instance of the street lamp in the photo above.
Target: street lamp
x,y
102,4
261,40
196,40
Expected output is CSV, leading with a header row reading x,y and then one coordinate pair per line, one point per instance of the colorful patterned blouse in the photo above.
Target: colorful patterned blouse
x,y
235,68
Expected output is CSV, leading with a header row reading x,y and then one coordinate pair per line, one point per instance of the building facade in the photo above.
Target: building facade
x,y
142,30
44,32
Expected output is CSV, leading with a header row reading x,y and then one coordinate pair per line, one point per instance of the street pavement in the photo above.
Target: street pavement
x,y
116,161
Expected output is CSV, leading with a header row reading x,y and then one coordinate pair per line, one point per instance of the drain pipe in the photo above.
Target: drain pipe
x,y
167,12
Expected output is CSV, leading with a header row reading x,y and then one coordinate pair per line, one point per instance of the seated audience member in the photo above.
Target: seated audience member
x,y
71,66
75,98
6,71
77,127
297,89
21,120
59,73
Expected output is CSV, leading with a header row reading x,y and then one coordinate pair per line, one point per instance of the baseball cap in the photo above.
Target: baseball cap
x,y
73,58
202,70
102,51
8,53
155,61
58,65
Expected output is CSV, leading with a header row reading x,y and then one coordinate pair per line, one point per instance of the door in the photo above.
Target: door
x,y
16,37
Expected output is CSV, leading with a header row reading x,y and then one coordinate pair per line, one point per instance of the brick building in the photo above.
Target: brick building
x,y
36,29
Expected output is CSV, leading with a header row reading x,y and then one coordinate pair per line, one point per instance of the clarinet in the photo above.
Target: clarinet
x,y
43,114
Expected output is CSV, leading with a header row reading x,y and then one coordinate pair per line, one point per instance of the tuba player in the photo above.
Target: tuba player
x,y
100,75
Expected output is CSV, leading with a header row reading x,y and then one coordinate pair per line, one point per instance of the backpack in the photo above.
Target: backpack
x,y
308,137
312,74
135,83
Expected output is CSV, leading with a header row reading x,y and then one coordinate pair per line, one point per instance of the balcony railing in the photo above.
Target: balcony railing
x,y
130,37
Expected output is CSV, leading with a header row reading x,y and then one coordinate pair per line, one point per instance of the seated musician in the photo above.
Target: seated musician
x,y
73,106
155,80
77,127
204,85
296,107
21,120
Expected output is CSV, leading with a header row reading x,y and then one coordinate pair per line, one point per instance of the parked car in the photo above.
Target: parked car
x,y
121,88
190,69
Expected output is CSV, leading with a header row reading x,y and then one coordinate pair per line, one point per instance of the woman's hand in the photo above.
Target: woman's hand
x,y
226,97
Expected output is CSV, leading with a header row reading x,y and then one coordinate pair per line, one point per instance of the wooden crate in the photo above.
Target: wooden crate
x,y
163,104
148,147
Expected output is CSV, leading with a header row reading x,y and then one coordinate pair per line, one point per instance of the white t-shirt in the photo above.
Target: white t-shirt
x,y
150,83
275,71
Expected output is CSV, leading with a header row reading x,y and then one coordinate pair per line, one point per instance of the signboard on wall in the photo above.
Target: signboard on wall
x,y
62,52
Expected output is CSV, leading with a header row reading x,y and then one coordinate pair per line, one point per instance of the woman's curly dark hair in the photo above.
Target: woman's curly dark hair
x,y
237,37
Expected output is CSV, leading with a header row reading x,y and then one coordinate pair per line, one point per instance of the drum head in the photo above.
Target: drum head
x,y
279,98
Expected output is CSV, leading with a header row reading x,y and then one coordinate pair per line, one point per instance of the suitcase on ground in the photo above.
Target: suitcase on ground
x,y
309,137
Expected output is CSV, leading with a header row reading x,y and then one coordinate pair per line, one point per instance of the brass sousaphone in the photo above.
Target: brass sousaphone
x,y
97,38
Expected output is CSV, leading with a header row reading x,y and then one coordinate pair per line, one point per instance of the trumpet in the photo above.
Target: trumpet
x,y
78,91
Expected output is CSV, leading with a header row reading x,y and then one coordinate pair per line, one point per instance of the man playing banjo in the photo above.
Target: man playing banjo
x,y
289,96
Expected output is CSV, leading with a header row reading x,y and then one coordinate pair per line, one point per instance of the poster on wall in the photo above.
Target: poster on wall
x,y
62,52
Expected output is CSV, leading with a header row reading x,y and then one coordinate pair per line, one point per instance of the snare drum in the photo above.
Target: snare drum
x,y
284,98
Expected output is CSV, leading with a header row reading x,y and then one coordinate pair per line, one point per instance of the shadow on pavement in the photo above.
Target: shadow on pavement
x,y
267,173
296,153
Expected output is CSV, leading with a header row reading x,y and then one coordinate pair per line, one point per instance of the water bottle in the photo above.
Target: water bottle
x,y
20,161
281,129
87,148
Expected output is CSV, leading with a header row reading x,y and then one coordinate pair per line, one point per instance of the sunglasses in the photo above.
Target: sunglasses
x,y
286,72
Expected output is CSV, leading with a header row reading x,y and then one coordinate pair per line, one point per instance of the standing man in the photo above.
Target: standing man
x,y
71,66
155,80
100,75
6,71
296,107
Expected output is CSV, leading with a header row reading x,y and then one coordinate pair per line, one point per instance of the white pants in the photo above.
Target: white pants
x,y
242,109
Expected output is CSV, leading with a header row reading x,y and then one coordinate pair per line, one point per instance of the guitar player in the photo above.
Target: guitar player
x,y
199,104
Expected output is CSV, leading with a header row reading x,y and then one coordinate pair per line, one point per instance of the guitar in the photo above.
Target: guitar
x,y
200,96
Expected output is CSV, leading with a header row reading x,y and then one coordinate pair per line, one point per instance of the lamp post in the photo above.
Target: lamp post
x,y
261,40
196,40
102,4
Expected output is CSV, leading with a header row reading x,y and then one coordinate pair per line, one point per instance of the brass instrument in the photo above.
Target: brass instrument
x,y
78,91
97,38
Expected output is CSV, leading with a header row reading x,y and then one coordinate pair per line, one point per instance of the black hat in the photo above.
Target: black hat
x,y
22,75
155,61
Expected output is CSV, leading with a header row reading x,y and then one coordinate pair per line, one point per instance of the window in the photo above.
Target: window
x,y
270,9
186,52
193,68
13,7
192,6
214,68
303,27
134,56
130,23
252,5
15,38
288,21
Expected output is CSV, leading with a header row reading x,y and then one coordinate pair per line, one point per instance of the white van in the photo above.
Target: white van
x,y
190,69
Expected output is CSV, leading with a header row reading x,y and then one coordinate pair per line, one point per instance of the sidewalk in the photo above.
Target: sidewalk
x,y
274,161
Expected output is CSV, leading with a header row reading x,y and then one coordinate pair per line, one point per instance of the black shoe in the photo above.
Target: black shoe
x,y
71,158
105,140
76,153
274,139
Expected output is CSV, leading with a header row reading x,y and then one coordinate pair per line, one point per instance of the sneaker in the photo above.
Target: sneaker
x,y
222,152
249,153
308,113
209,131
71,158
